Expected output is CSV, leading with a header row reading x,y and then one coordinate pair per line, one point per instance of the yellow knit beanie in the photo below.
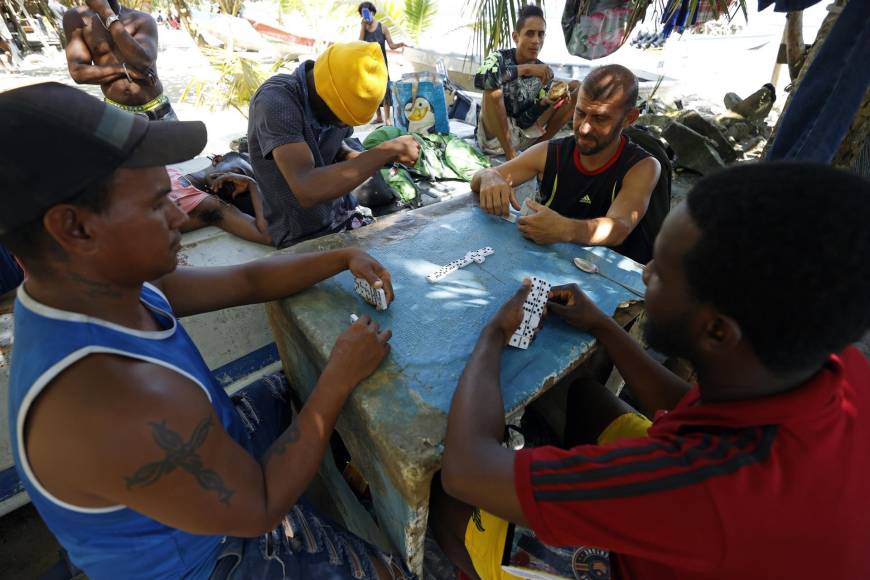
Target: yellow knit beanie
x,y
351,78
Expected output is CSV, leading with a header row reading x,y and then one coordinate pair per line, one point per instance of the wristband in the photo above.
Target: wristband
x,y
111,20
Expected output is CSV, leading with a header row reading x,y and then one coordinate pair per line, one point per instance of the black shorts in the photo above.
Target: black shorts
x,y
388,98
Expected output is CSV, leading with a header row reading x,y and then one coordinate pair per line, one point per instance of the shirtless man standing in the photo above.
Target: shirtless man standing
x,y
116,47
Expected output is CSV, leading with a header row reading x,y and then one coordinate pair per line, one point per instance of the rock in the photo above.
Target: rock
x,y
738,130
731,99
657,131
657,107
694,151
706,127
756,106
752,147
653,120
701,107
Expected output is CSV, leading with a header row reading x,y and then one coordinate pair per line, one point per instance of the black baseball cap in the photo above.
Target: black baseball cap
x,y
56,140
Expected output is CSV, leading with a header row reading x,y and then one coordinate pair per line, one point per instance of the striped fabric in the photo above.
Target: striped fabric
x,y
650,466
773,487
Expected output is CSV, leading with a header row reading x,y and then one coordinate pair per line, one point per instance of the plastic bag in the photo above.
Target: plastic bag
x,y
419,105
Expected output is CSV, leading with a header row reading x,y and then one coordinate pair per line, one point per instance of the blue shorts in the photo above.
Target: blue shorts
x,y
305,545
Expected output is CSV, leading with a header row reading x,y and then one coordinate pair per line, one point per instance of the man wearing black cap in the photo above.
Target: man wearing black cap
x,y
134,456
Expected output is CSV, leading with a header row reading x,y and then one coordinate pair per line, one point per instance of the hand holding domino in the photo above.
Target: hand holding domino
x,y
374,296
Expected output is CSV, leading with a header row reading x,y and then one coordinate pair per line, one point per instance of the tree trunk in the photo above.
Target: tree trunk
x,y
849,155
795,49
184,18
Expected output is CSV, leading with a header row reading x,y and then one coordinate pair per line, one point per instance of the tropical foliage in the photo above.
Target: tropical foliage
x,y
406,19
418,17
230,7
238,78
391,13
494,23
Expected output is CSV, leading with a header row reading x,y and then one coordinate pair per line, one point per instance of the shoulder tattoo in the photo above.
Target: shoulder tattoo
x,y
181,454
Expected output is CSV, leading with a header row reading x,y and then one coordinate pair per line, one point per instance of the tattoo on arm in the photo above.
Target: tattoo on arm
x,y
181,454
291,435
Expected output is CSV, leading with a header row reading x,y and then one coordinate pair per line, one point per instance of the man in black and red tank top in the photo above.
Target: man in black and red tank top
x,y
596,186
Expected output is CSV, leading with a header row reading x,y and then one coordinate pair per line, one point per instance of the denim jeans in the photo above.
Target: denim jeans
x,y
305,545
822,109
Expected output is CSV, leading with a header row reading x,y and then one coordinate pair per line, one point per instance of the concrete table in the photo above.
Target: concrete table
x,y
394,423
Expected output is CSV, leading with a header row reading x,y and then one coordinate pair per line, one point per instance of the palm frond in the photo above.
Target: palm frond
x,y
392,13
238,79
418,17
230,7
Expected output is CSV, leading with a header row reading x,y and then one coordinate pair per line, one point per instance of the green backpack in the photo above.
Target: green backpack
x,y
400,181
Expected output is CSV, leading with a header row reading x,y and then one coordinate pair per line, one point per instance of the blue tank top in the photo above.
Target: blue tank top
x,y
110,542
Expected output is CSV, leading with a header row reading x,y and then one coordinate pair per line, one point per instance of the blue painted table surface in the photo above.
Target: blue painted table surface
x,y
394,423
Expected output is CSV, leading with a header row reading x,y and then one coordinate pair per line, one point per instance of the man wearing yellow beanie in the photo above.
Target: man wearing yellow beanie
x,y
296,131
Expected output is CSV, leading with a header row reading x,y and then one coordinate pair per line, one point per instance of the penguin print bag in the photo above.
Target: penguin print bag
x,y
419,105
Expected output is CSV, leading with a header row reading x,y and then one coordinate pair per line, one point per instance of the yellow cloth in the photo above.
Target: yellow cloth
x,y
628,426
486,547
351,78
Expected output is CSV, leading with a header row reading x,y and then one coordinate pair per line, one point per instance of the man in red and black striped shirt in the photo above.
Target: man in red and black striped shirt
x,y
761,280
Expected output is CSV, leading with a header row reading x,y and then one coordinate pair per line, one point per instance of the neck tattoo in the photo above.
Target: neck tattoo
x,y
94,287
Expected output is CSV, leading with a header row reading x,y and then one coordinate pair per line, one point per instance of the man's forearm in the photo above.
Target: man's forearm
x,y
280,276
477,410
131,51
654,386
293,460
323,184
476,468
525,70
257,202
127,48
90,74
602,231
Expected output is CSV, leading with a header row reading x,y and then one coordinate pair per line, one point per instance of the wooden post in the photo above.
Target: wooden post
x,y
795,49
